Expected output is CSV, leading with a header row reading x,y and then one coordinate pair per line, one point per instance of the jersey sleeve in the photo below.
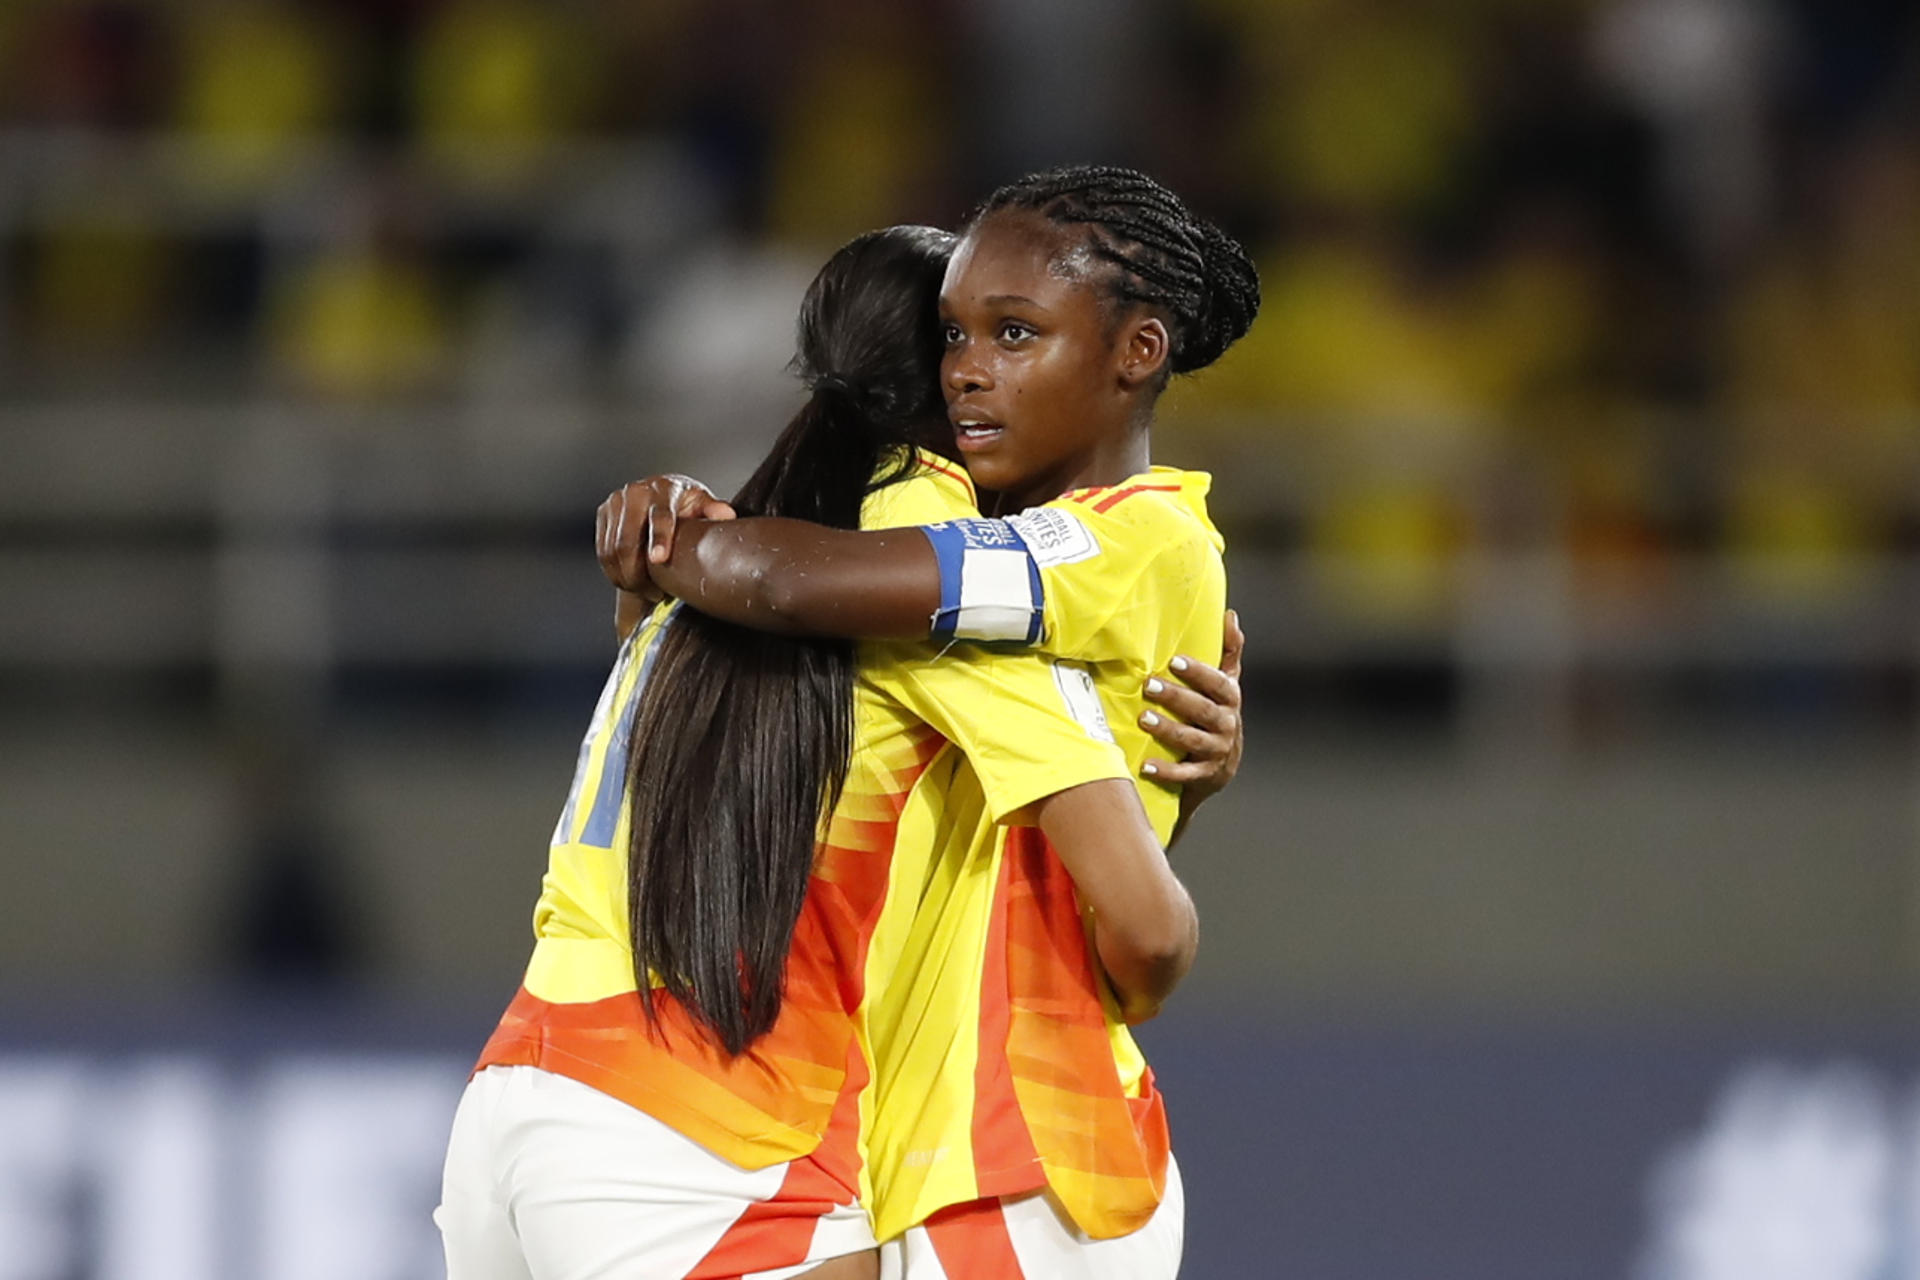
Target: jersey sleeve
x,y
1030,726
1108,576
931,491
1103,583
1123,580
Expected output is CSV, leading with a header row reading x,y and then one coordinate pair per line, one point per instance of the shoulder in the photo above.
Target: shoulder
x,y
931,490
1157,516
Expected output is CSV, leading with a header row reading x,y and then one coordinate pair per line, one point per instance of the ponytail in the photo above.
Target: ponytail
x,y
743,739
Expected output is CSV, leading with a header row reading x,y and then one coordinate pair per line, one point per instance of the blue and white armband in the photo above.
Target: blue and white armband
x,y
989,583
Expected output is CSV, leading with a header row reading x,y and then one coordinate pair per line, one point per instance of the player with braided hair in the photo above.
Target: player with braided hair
x,y
1012,1126
1161,255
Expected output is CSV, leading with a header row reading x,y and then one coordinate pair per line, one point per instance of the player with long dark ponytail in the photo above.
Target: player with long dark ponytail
x,y
747,734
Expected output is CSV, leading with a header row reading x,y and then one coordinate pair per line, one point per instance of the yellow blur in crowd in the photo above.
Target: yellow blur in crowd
x,y
1403,385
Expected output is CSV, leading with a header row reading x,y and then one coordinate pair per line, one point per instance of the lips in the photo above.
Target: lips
x,y
975,430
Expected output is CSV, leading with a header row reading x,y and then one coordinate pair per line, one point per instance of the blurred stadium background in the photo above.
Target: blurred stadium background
x,y
1565,920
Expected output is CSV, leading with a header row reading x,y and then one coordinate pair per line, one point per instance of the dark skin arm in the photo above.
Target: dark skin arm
x,y
1144,925
784,576
799,578
885,583
669,500
795,578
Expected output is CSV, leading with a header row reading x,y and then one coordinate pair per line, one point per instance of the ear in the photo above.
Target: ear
x,y
1144,350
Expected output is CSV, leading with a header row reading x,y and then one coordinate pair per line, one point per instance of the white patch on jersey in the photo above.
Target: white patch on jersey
x,y
1082,699
1054,536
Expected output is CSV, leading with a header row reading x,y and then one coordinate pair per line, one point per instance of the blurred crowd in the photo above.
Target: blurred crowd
x,y
1628,279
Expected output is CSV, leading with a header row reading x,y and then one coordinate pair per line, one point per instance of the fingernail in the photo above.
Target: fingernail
x,y
1149,767
1178,664
1149,719
1154,686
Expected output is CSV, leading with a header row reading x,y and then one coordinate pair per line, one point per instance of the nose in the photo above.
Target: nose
x,y
964,372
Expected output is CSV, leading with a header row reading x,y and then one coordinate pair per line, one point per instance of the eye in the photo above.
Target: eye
x,y
1014,331
950,334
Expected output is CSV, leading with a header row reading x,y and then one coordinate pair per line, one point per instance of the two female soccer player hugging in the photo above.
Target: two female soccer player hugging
x,y
862,878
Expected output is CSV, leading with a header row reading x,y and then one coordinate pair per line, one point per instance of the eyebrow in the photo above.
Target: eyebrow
x,y
1000,299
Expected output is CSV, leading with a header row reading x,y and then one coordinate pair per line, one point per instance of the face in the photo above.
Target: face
x,y
1042,386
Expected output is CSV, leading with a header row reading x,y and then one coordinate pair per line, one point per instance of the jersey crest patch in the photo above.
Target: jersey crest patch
x,y
1054,536
1083,700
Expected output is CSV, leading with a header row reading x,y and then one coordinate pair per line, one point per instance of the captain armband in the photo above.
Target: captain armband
x,y
989,584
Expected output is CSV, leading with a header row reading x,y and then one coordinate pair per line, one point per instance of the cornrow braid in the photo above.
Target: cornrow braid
x,y
1164,256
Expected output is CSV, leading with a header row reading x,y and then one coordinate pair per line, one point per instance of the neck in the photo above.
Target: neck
x,y
1107,463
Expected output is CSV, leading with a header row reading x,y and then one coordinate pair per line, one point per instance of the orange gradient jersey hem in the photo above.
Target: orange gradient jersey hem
x,y
775,1101
1104,1150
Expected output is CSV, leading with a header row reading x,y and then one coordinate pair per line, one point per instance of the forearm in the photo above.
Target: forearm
x,y
1146,931
796,578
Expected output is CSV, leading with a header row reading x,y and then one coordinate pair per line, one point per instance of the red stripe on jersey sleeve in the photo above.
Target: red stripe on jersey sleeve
x,y
933,462
1113,500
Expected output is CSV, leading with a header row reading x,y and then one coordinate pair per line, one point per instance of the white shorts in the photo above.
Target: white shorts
x,y
550,1179
1030,1237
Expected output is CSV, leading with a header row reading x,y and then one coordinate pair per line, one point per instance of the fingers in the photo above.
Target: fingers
x,y
661,521
628,543
1209,682
686,494
669,499
1233,645
1196,717
1194,708
1180,771
1186,739
635,526
673,498
606,539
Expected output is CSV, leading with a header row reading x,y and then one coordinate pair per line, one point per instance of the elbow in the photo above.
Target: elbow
x,y
1146,967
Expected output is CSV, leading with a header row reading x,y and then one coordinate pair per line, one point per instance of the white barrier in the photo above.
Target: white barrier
x,y
311,1167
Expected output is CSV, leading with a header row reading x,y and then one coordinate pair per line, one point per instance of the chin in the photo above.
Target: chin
x,y
991,473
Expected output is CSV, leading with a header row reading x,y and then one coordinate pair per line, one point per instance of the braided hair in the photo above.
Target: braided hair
x,y
1157,253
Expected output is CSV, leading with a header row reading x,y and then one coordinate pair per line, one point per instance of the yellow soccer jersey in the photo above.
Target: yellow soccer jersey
x,y
1001,1063
1133,577
793,1092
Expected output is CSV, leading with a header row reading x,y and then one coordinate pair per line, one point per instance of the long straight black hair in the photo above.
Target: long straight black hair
x,y
742,739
